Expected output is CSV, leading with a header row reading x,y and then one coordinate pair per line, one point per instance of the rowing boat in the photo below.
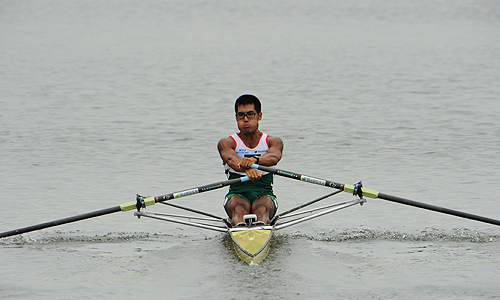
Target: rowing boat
x,y
251,243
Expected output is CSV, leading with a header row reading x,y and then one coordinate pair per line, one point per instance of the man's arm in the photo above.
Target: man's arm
x,y
226,151
274,153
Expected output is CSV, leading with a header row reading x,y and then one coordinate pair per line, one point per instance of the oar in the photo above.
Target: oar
x,y
361,191
141,202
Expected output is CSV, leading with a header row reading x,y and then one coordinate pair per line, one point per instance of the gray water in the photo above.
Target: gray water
x,y
101,100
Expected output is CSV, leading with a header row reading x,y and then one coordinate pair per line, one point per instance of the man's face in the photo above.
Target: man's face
x,y
248,118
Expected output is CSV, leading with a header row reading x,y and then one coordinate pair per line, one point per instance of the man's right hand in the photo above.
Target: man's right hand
x,y
253,174
245,164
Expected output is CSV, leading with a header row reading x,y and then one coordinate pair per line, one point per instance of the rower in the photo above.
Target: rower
x,y
238,152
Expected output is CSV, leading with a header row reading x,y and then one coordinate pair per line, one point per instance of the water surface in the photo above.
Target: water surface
x,y
103,100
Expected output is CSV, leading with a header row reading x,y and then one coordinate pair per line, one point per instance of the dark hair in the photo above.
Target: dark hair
x,y
247,99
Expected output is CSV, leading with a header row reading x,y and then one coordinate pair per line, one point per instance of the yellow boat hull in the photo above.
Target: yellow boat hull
x,y
251,244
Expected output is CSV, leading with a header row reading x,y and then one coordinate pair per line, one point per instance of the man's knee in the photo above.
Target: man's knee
x,y
264,203
237,203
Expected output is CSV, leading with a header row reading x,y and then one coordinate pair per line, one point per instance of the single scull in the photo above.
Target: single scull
x,y
251,243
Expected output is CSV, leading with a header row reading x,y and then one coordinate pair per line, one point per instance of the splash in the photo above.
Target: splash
x,y
427,234
64,238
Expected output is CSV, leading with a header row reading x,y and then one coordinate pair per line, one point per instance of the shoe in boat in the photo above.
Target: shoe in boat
x,y
259,223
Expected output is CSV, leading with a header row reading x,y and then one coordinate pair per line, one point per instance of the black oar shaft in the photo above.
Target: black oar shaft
x,y
61,221
146,201
438,209
375,194
300,177
200,189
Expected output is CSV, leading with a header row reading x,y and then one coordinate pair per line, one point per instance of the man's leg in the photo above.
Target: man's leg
x,y
236,208
264,209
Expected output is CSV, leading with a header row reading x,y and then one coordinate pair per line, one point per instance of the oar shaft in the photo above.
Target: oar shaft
x,y
146,201
340,186
61,221
200,189
438,209
374,194
300,177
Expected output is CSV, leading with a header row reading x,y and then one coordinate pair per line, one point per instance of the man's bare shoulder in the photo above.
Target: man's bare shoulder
x,y
274,141
225,143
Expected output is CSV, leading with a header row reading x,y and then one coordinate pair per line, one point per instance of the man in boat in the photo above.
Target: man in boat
x,y
238,152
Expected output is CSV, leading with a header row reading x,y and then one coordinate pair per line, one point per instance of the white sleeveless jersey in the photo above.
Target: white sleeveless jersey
x,y
243,150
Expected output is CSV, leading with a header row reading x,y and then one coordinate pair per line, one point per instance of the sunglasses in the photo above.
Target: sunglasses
x,y
242,115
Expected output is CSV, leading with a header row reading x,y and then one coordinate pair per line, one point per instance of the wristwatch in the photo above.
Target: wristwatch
x,y
257,158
